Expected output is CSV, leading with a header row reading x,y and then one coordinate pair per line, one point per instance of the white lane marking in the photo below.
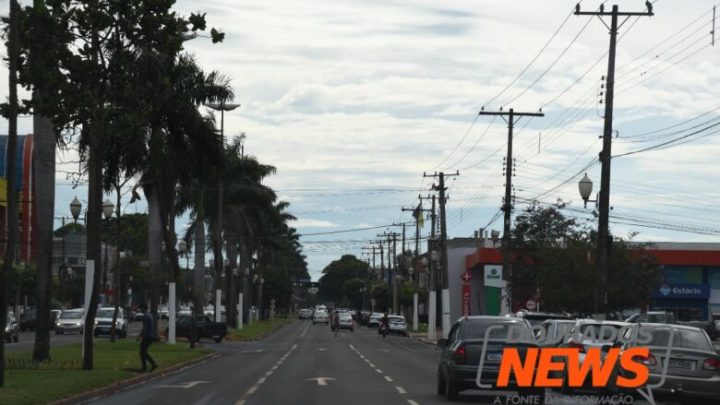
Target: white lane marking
x,y
262,380
183,385
411,402
304,331
378,370
387,377
321,380
401,390
371,365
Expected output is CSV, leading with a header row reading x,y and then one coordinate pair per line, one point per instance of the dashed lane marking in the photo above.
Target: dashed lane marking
x,y
387,377
401,390
262,380
304,331
411,402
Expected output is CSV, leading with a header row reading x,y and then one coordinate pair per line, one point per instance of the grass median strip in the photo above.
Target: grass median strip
x,y
258,329
28,383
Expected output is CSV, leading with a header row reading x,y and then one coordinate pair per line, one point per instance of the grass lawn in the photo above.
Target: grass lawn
x,y
259,328
113,362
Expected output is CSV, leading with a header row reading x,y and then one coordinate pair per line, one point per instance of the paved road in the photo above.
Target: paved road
x,y
27,339
305,364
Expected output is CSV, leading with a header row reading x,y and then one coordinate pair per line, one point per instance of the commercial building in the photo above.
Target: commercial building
x,y
690,286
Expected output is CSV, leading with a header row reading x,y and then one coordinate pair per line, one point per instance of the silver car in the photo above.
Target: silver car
x,y
70,321
693,369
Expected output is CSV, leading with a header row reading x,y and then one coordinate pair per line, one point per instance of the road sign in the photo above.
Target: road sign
x,y
466,276
531,305
466,300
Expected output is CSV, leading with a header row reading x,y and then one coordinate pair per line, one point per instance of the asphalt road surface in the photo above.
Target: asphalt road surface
x,y
305,364
26,341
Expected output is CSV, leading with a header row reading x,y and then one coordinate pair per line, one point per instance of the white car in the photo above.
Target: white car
x,y
164,312
397,324
72,320
346,321
103,322
375,319
321,317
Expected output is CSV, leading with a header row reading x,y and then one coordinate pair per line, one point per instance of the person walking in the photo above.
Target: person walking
x,y
147,336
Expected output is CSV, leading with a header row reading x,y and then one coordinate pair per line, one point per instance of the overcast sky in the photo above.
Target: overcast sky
x,y
353,100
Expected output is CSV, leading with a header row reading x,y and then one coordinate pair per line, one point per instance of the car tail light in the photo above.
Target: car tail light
x,y
712,364
575,345
460,355
649,360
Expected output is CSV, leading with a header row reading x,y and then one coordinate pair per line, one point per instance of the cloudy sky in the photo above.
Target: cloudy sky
x,y
353,100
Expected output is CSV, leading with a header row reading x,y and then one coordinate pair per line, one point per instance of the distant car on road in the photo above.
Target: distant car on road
x,y
397,325
103,322
374,320
12,329
320,317
71,320
54,315
536,318
461,352
552,332
305,313
346,321
205,328
164,312
28,319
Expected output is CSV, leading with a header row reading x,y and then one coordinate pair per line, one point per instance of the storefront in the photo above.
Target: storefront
x,y
689,302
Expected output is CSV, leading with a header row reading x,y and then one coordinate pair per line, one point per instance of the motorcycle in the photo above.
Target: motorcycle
x,y
383,330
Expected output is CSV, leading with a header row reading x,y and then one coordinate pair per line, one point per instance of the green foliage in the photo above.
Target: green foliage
x,y
337,273
382,295
553,259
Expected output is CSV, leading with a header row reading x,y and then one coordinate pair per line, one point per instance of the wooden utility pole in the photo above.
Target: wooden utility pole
x,y
444,273
509,171
600,301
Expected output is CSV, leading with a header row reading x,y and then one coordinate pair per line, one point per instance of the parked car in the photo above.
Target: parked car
x,y
375,319
320,317
71,320
305,313
12,328
693,369
205,328
164,312
364,317
54,315
103,322
652,317
461,351
28,319
552,332
397,325
346,321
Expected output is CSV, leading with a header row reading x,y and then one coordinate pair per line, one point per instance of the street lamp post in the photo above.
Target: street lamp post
x,y
585,186
107,209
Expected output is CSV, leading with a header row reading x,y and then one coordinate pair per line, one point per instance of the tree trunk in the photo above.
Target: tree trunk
x,y
244,258
230,291
11,190
217,246
44,168
155,240
116,273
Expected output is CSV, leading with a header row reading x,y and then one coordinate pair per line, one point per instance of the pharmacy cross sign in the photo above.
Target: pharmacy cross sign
x,y
466,277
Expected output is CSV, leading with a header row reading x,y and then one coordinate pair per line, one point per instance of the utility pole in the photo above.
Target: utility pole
x,y
392,265
508,203
444,275
432,278
600,301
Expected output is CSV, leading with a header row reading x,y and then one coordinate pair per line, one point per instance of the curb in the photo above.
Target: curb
x,y
122,385
261,337
424,340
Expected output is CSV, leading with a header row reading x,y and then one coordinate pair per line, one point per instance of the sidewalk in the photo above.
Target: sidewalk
x,y
422,336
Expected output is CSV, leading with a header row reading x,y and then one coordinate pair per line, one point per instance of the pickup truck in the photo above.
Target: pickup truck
x,y
206,328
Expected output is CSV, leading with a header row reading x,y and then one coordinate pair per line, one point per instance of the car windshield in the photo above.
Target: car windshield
x,y
71,315
396,319
500,330
107,313
683,338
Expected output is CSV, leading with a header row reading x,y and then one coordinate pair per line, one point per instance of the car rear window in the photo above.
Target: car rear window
x,y
684,338
596,328
477,329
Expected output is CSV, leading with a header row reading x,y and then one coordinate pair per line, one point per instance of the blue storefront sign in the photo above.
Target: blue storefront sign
x,y
696,291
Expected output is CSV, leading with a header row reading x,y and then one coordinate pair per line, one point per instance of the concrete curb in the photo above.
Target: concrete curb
x,y
422,339
122,385
261,337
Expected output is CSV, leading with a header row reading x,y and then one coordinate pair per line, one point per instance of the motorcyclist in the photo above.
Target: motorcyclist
x,y
384,324
335,322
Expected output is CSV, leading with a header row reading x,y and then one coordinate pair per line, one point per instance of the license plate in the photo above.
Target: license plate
x,y
684,364
493,356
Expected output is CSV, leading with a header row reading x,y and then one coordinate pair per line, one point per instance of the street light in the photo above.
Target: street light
x,y
585,186
75,208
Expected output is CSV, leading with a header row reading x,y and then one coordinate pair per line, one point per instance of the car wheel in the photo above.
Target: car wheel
x,y
452,390
440,383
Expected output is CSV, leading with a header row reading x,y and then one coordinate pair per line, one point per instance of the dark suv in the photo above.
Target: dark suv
x,y
462,350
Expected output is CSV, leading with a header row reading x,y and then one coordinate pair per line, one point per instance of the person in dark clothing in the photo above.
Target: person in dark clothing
x,y
146,337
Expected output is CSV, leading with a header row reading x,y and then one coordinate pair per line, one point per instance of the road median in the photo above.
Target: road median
x,y
258,330
116,366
